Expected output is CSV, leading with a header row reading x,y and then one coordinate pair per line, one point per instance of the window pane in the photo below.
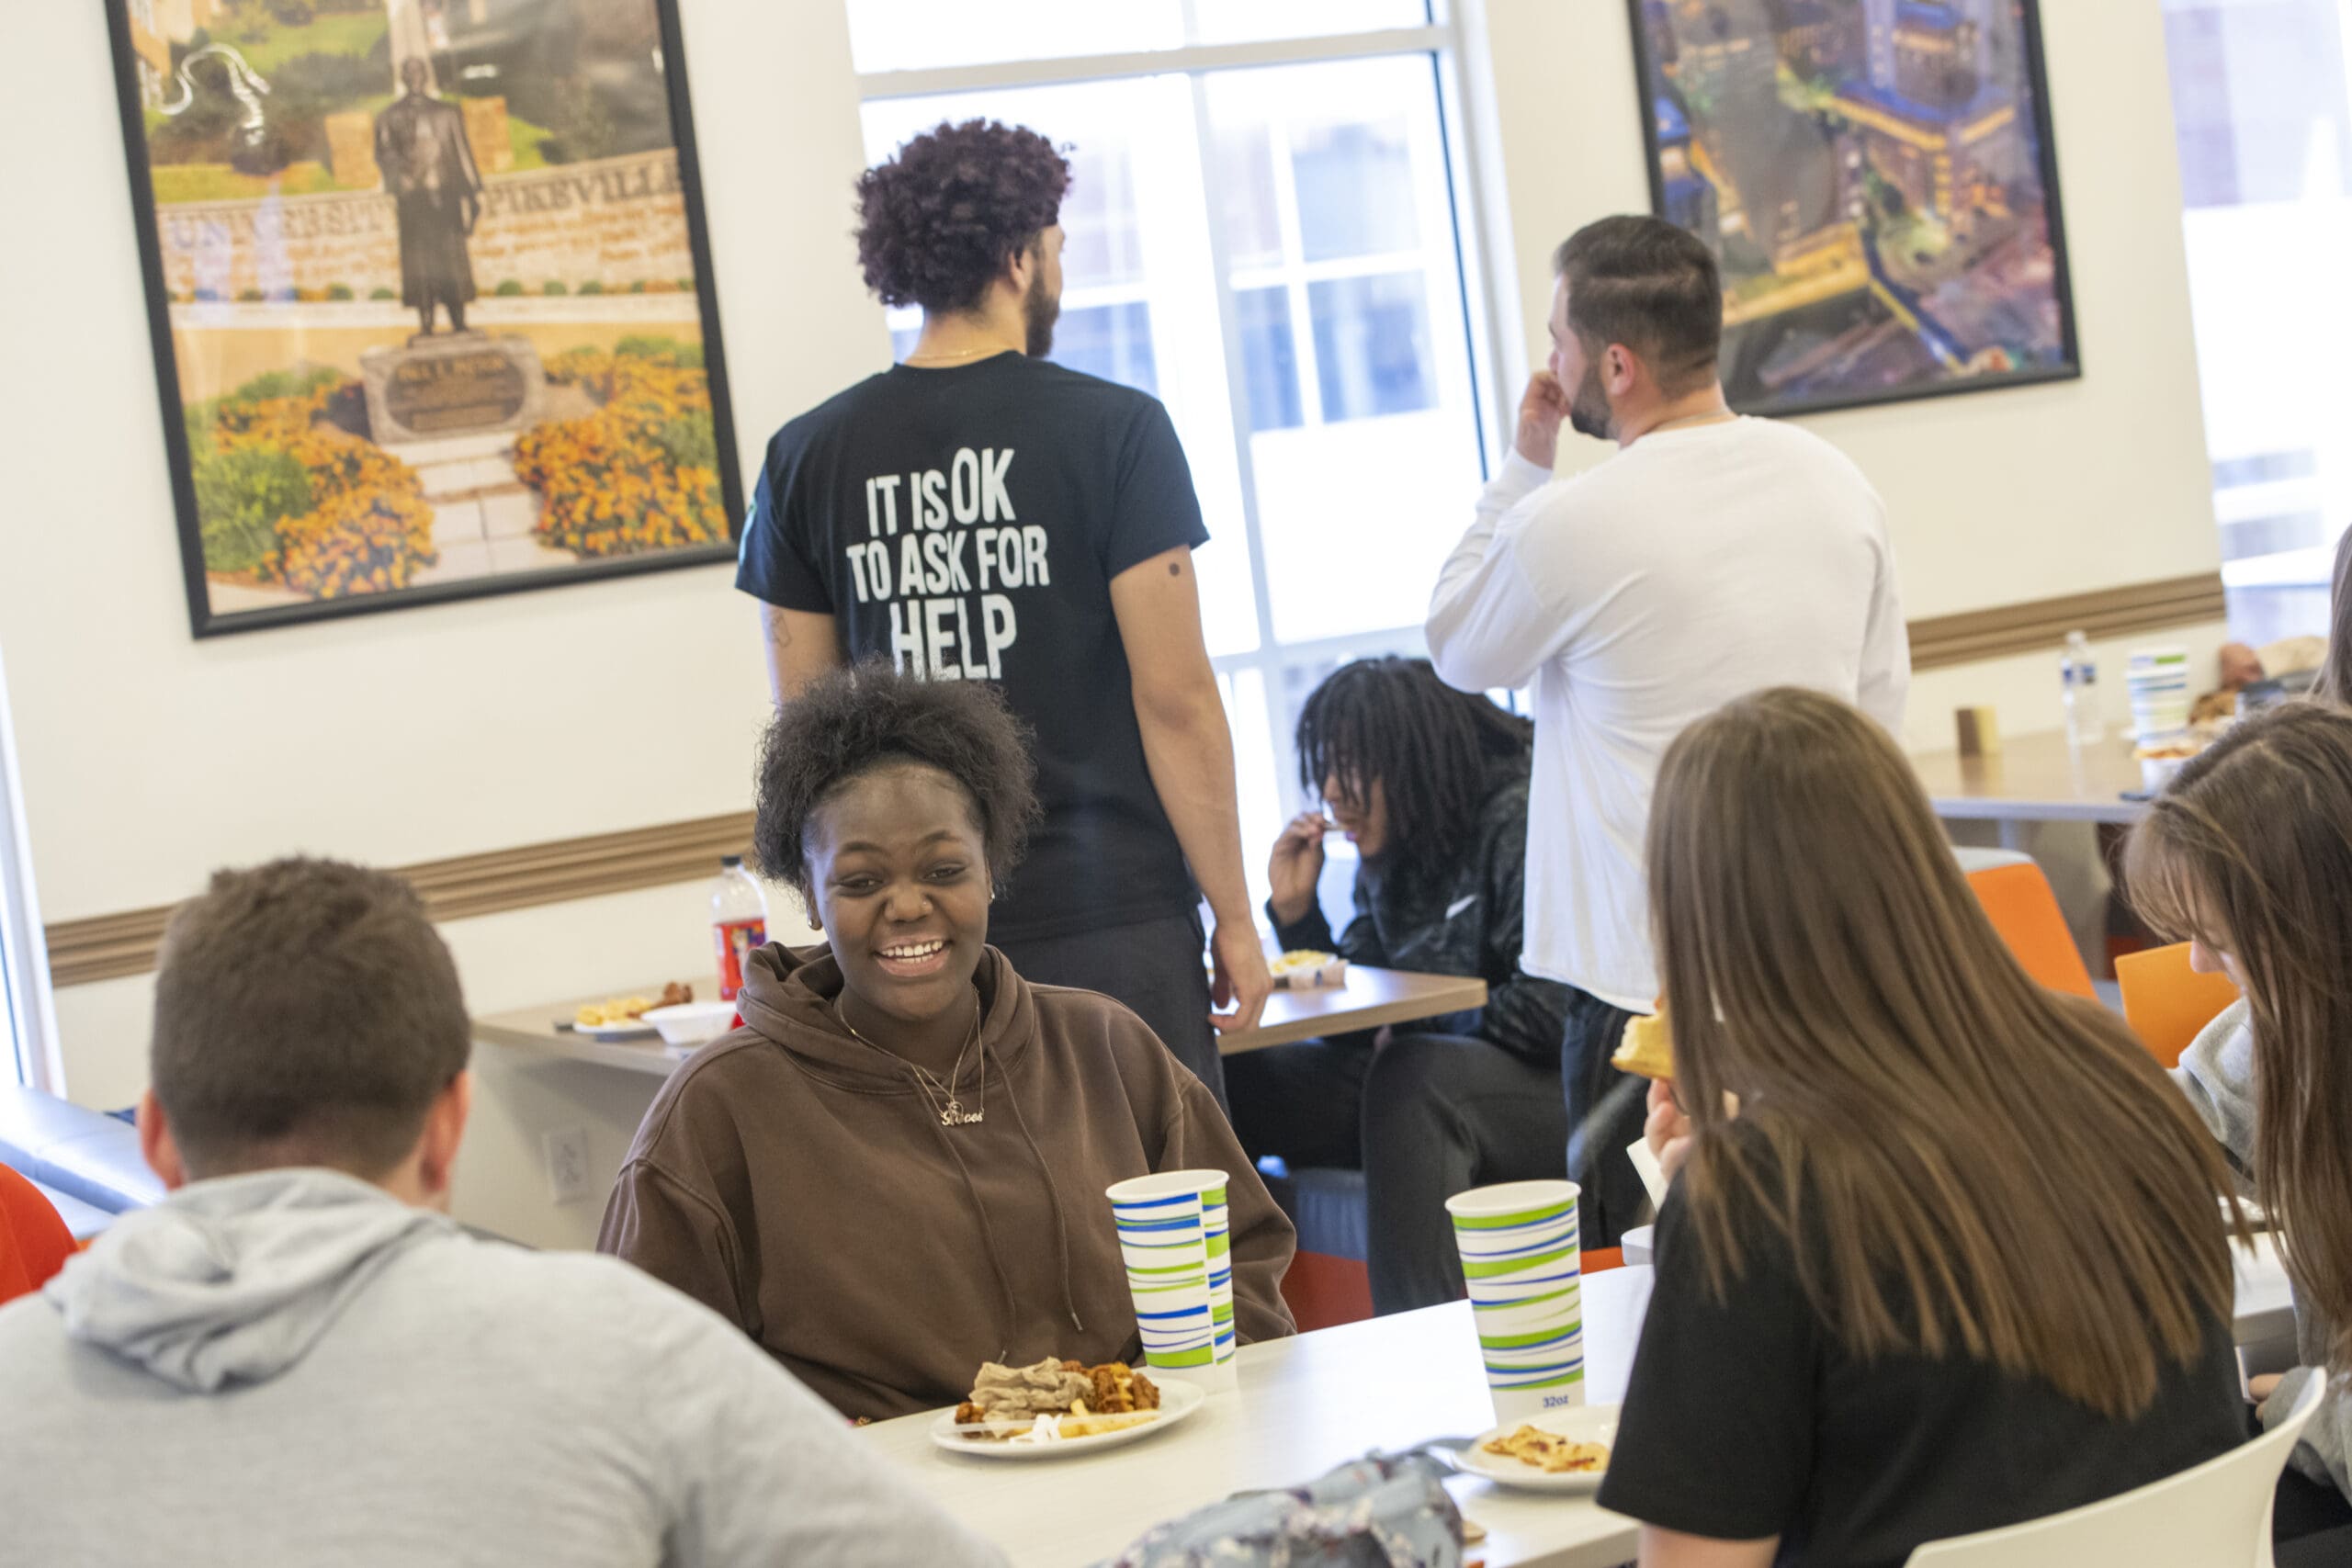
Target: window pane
x,y
1348,175
2266,162
1245,179
911,35
1363,442
1110,341
1372,345
1269,359
1138,288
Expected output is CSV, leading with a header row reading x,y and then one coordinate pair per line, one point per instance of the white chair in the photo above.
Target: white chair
x,y
2216,1516
1971,858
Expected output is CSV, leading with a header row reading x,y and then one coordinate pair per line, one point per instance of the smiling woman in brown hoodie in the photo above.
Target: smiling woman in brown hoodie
x,y
895,1169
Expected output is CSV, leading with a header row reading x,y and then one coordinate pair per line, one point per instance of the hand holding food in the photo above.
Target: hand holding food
x,y
1297,866
1667,1130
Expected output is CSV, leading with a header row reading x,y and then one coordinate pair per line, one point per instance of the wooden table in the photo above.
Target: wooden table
x,y
2035,778
1371,998
533,1029
1305,1404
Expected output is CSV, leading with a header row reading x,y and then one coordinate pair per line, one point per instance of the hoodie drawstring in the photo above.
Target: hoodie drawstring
x,y
987,1232
1053,1194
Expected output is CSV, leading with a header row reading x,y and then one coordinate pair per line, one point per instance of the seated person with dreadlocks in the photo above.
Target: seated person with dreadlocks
x,y
1431,785
894,1170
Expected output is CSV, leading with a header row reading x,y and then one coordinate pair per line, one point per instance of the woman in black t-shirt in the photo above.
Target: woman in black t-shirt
x,y
1956,1262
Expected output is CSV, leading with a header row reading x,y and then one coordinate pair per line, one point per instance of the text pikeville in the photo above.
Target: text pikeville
x,y
935,538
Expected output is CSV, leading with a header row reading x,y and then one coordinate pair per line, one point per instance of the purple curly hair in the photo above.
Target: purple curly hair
x,y
937,223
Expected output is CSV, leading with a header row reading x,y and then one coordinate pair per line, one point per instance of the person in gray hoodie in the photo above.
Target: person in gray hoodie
x,y
2248,856
299,1359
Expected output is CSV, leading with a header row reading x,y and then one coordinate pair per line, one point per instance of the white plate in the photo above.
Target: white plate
x,y
626,1029
1584,1423
1177,1400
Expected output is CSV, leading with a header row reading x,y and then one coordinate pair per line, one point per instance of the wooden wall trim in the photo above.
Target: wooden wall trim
x,y
2042,625
106,947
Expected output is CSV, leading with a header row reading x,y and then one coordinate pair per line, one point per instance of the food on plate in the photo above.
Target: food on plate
x,y
1304,969
621,1010
1549,1452
1058,1400
1648,1048
2167,751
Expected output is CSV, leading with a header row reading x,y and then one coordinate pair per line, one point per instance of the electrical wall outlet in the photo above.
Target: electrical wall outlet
x,y
567,1156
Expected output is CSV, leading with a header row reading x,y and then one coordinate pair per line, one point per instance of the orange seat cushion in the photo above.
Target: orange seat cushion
x,y
2017,900
34,1240
1323,1290
2167,1002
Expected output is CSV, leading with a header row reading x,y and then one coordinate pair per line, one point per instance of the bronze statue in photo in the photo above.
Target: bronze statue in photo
x,y
428,168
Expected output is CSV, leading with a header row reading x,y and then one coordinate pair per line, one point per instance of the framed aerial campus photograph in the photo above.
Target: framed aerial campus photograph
x,y
1878,180
430,293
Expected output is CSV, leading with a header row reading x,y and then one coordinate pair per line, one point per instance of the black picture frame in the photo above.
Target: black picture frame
x,y
2066,361
204,621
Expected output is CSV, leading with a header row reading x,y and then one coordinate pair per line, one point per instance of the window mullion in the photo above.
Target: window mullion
x,y
1193,59
1237,381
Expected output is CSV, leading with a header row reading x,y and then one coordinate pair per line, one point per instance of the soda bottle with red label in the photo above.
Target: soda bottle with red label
x,y
739,922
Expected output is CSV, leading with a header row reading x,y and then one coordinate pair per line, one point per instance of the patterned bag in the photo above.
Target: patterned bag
x,y
1382,1511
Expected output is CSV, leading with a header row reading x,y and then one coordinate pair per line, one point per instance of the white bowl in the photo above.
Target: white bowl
x,y
691,1024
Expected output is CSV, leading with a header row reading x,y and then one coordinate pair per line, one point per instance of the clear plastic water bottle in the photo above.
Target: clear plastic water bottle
x,y
739,922
2079,679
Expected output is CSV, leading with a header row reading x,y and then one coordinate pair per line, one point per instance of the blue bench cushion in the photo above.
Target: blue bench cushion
x,y
1329,1212
80,1153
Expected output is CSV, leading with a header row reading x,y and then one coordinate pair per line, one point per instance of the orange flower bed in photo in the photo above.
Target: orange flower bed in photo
x,y
613,482
370,528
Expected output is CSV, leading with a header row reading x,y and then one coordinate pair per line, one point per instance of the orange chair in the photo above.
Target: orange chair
x,y
2167,1002
2017,900
34,1242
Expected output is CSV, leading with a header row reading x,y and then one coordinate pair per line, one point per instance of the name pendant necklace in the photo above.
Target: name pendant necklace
x,y
951,1113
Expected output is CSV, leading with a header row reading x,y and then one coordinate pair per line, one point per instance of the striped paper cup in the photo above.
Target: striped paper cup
x,y
1522,1263
1176,1242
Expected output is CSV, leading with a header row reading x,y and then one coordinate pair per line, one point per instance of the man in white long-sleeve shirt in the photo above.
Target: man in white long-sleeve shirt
x,y
1714,555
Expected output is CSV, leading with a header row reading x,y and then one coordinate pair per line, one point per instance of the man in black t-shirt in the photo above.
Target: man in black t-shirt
x,y
978,512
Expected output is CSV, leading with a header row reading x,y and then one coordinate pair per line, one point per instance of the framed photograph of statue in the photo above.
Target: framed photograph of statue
x,y
431,297
1877,178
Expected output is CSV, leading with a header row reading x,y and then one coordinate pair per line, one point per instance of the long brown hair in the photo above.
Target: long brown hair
x,y
2250,853
1966,1163
2335,675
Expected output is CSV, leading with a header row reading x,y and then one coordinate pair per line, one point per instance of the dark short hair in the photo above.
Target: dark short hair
x,y
852,722
940,221
306,1013
1431,748
1653,287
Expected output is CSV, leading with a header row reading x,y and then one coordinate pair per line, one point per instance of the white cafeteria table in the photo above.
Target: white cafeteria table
x,y
1304,1405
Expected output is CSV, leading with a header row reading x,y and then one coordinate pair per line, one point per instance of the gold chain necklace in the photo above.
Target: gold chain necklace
x,y
965,354
952,1113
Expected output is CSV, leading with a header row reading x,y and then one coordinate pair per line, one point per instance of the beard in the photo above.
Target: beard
x,y
1588,411
1039,311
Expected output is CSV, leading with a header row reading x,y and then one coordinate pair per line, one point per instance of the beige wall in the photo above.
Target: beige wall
x,y
1995,497
148,758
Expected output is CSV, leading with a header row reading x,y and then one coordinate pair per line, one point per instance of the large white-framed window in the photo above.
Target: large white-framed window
x,y
2261,112
1270,228
27,1023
